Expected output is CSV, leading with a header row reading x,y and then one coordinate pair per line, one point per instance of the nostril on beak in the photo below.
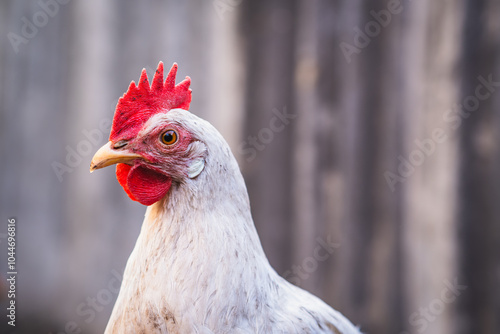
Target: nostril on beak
x,y
120,144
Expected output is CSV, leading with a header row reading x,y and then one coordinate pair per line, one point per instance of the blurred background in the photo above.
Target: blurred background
x,y
366,129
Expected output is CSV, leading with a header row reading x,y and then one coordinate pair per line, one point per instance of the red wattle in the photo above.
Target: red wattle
x,y
122,171
142,184
146,185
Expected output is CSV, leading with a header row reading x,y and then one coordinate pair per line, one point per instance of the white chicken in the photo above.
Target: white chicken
x,y
198,265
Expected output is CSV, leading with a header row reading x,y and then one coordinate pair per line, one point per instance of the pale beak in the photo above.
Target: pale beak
x,y
107,156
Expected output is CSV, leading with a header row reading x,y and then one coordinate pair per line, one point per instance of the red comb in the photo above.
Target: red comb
x,y
141,102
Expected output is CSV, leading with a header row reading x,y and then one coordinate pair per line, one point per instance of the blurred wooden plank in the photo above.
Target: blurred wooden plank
x,y
269,30
479,188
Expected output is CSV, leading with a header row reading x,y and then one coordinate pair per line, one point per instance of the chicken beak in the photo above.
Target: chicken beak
x,y
107,156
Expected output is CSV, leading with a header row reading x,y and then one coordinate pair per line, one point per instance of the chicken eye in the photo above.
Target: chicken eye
x,y
169,137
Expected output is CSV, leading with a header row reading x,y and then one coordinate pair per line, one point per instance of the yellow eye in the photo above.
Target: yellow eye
x,y
169,137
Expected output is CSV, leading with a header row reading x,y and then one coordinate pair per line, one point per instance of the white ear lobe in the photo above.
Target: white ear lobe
x,y
196,167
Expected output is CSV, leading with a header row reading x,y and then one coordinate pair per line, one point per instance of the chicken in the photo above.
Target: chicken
x,y
198,265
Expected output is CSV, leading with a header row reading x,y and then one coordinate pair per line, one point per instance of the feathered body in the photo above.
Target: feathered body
x,y
198,265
